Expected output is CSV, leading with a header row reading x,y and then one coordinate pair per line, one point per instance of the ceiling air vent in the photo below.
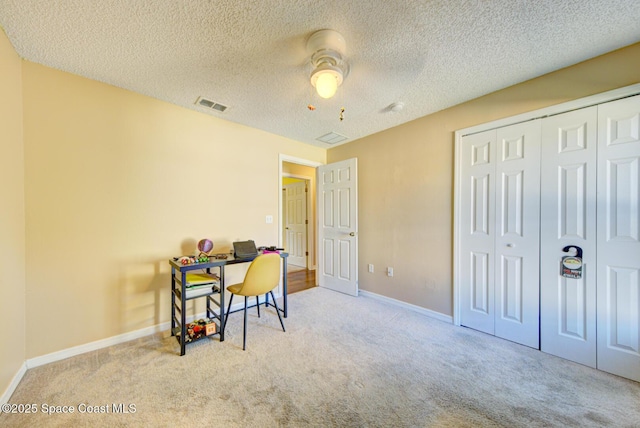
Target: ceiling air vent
x,y
210,104
332,138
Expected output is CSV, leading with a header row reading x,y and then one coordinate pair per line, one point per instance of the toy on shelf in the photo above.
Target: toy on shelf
x,y
190,260
205,246
199,329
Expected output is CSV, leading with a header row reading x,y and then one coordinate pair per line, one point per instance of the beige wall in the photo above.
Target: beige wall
x,y
406,179
12,223
116,184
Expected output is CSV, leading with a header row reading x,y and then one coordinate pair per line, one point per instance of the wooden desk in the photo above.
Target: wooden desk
x,y
178,294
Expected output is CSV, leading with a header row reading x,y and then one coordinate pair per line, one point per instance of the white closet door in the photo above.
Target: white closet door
x,y
499,240
517,244
477,233
619,237
568,217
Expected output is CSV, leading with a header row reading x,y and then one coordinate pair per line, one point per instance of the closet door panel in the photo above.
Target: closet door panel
x,y
568,198
618,237
477,233
518,233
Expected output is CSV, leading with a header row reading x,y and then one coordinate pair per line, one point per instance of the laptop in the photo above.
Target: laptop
x,y
244,249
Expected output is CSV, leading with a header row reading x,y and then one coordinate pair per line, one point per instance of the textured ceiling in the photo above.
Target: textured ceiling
x,y
251,54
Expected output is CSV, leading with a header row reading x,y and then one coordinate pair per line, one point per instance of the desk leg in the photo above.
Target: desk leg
x,y
284,285
173,300
221,310
183,313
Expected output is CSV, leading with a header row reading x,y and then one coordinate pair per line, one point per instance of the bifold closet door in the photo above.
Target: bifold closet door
x,y
568,218
517,277
499,240
619,237
477,231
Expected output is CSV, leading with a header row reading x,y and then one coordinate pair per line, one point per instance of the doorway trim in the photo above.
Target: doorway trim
x,y
311,214
588,101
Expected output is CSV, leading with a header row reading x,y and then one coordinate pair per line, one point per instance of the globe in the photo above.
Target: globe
x,y
205,246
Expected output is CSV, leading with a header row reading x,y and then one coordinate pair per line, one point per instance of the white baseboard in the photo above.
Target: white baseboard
x,y
114,340
423,311
103,343
81,349
93,346
98,344
6,396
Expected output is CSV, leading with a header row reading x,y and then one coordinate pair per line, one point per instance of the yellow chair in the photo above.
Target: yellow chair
x,y
262,277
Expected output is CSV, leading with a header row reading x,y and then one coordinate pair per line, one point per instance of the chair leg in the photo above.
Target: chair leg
x,y
244,335
258,305
226,317
275,304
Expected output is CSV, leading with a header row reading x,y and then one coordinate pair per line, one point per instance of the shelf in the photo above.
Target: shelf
x,y
197,283
177,332
199,292
203,278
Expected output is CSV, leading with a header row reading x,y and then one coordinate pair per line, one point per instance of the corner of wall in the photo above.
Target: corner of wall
x,y
12,221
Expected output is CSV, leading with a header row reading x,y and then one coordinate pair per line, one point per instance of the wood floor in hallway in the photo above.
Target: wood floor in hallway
x,y
300,280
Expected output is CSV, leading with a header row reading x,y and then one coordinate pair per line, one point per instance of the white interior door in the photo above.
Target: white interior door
x,y
568,217
477,224
338,226
296,222
517,250
499,240
619,237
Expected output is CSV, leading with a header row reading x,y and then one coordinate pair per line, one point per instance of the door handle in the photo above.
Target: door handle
x,y
352,234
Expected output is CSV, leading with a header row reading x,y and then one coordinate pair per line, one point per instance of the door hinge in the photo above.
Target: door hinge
x,y
306,222
306,253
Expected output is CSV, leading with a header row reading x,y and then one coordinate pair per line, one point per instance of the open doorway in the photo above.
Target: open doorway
x,y
298,221
332,238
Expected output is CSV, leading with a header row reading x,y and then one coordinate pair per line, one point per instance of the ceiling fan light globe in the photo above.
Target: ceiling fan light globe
x,y
326,85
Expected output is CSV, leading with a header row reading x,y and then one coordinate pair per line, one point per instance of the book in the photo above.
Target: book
x,y
200,291
201,286
194,279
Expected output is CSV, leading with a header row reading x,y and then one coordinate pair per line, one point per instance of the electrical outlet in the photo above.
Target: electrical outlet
x,y
370,268
389,271
269,219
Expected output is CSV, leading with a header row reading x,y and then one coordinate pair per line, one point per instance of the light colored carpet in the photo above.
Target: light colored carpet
x,y
344,362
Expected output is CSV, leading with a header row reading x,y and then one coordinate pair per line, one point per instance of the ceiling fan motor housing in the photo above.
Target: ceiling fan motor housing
x,y
327,48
